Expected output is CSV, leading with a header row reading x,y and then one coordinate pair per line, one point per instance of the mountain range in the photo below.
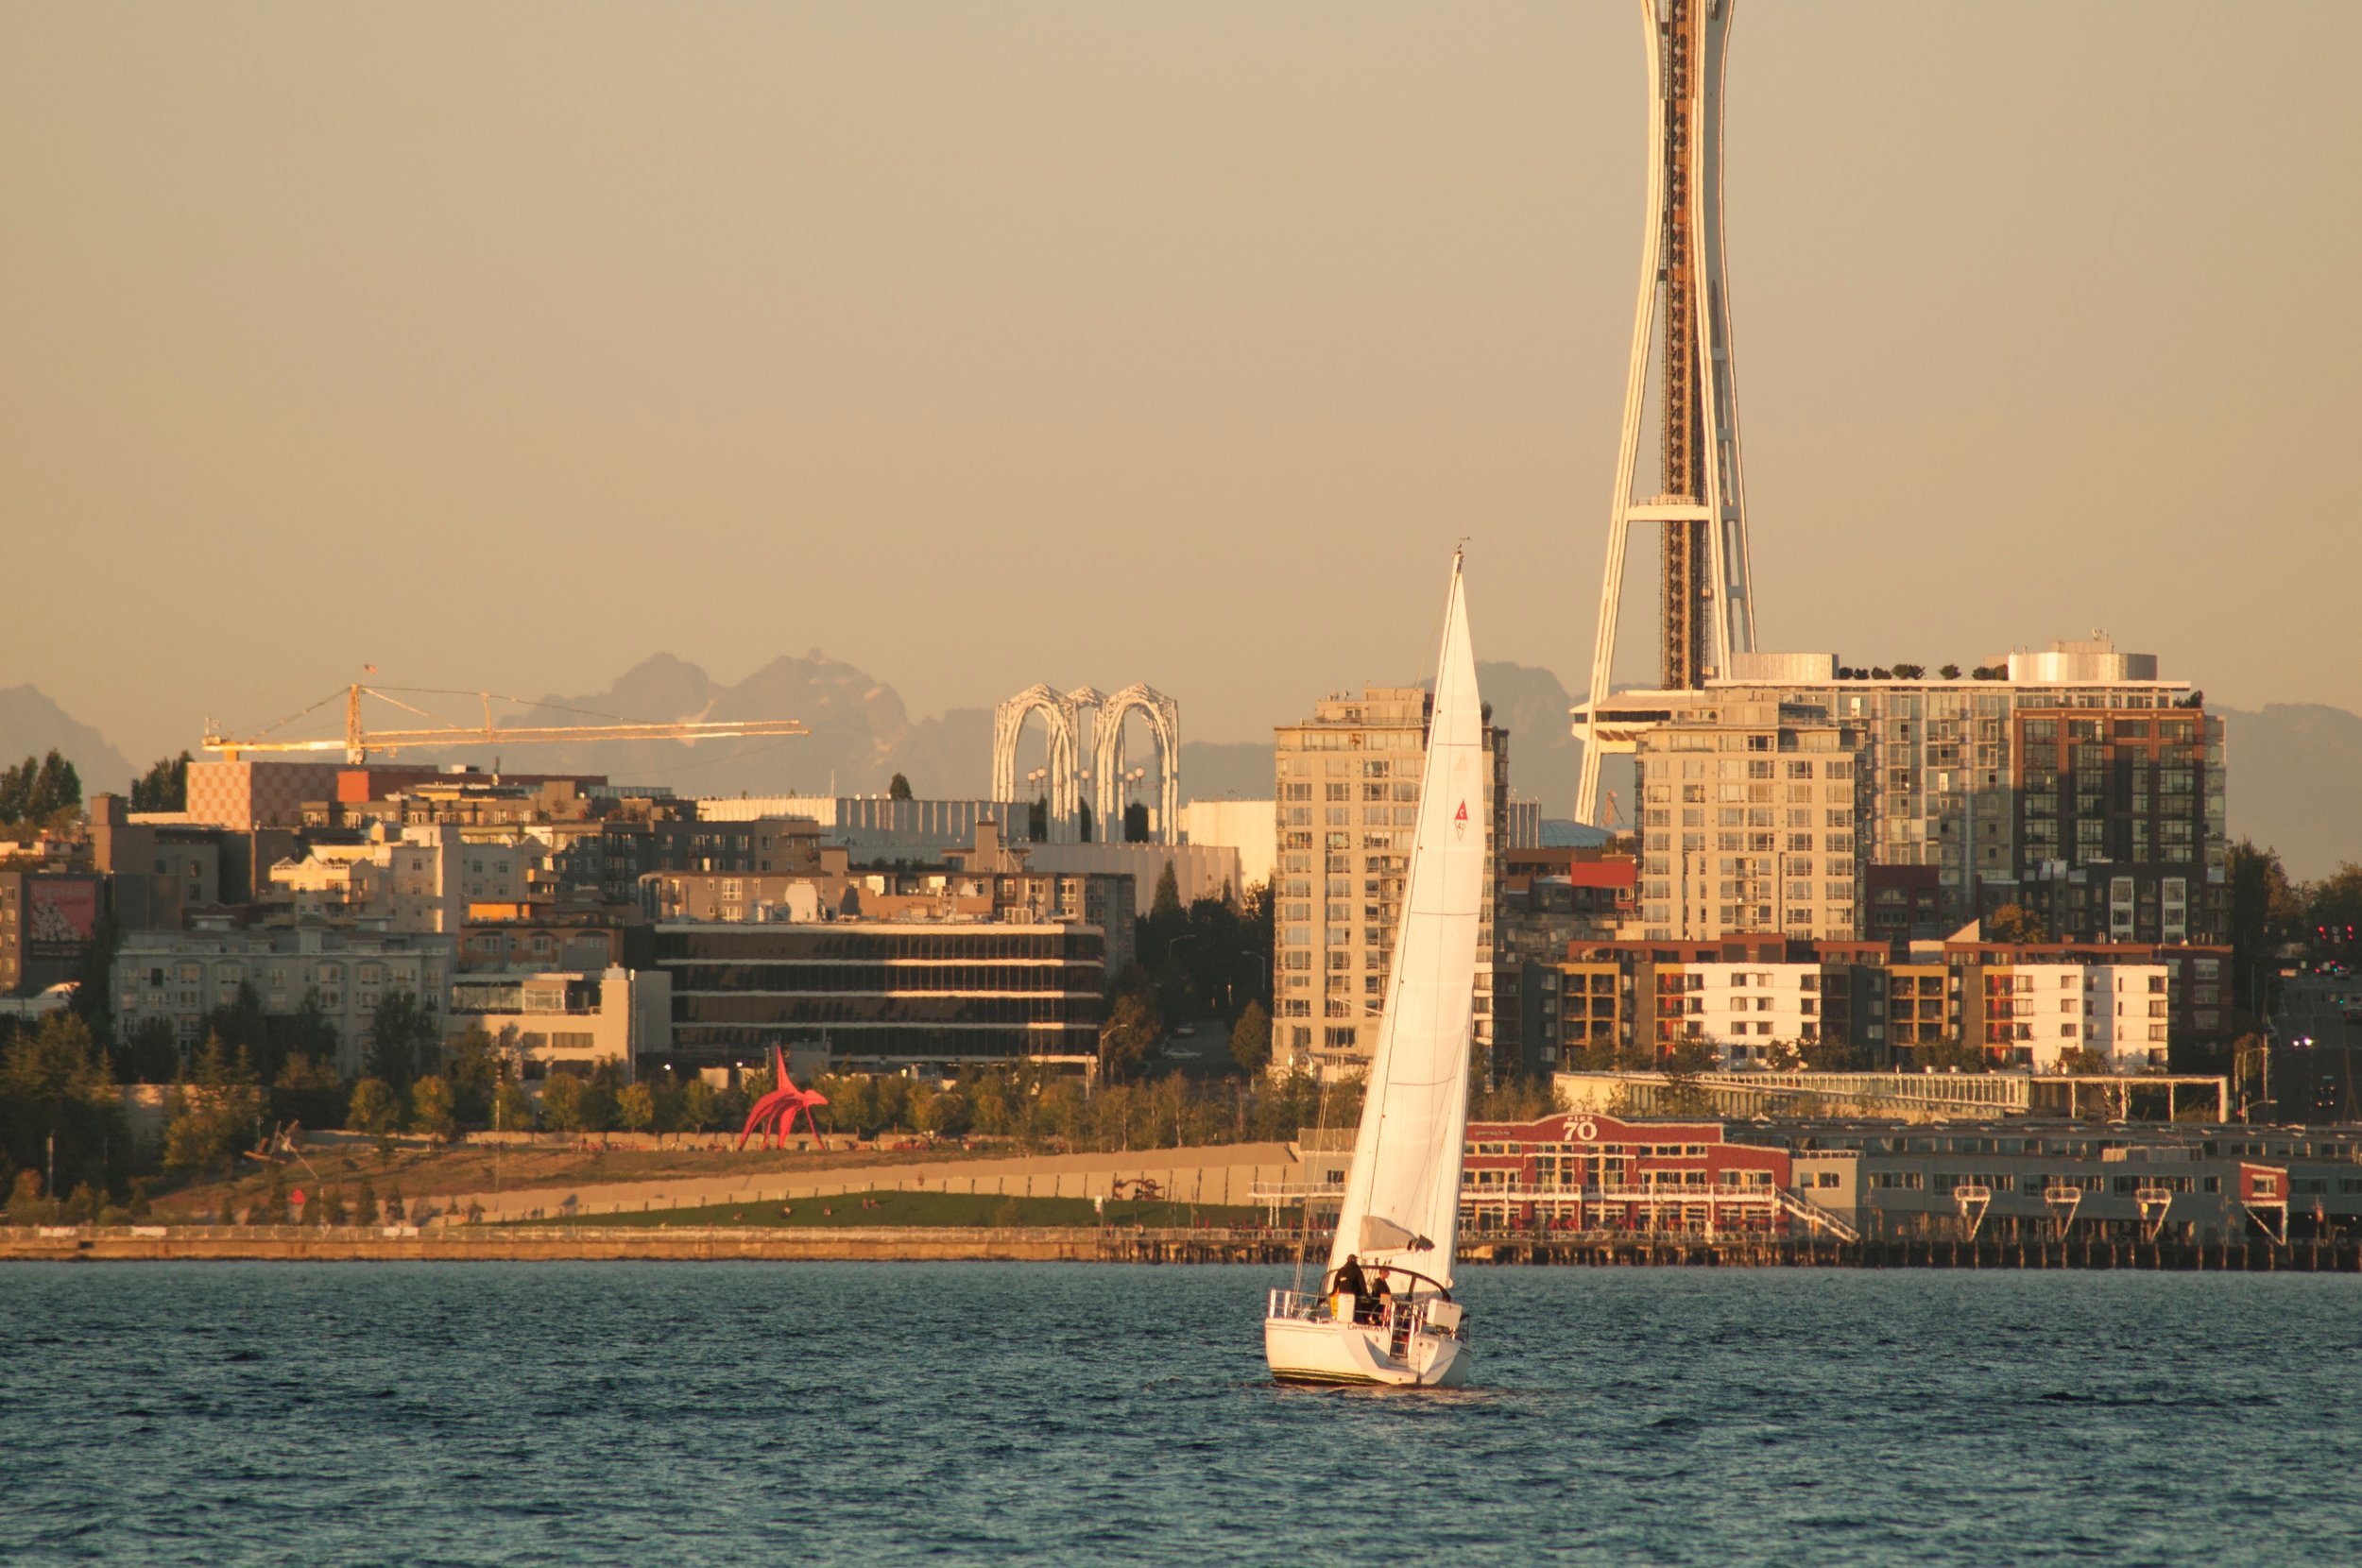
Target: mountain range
x,y
862,736
32,726
2295,768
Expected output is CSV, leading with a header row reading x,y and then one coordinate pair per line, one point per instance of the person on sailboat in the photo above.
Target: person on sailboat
x,y
1374,1304
1349,1281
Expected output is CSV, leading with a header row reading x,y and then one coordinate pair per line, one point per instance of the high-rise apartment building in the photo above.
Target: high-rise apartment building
x,y
1750,817
1348,782
1946,787
2116,811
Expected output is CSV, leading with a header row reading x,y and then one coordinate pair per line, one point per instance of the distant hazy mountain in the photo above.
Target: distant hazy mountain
x,y
2295,768
862,735
31,725
2296,783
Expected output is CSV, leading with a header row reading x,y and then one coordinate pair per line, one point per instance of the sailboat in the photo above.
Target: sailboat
x,y
1400,1224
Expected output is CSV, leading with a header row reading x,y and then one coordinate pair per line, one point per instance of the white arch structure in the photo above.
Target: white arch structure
x,y
1164,723
1064,715
1065,724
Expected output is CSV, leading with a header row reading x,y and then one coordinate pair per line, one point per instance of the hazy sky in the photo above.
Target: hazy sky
x,y
985,344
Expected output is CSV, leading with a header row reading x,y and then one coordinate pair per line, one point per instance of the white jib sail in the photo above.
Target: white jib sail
x,y
1402,1194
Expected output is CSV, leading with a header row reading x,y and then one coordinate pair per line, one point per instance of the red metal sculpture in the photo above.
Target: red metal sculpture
x,y
775,1114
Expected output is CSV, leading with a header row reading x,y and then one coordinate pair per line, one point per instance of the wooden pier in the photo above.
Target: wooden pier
x,y
1116,1244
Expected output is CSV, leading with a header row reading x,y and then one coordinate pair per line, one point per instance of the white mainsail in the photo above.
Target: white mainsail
x,y
1402,1195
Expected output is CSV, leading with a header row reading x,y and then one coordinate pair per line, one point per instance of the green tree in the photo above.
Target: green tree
x,y
94,981
365,1207
1685,1067
697,1107
892,1100
55,1083
34,792
512,1108
948,1115
561,1102
2336,905
403,1040
1950,1056
1250,1039
1826,1055
433,1107
899,788
309,1091
1129,1033
1524,1098
2267,913
663,1103
215,1112
306,1031
375,1108
276,1204
150,1054
1167,905
2015,923
474,1063
332,1209
635,1107
598,1098
240,1025
852,1107
26,1206
165,787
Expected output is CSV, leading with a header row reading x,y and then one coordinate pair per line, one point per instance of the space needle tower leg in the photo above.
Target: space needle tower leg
x,y
1706,604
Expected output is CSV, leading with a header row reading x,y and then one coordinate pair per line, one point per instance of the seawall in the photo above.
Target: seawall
x,y
1084,1244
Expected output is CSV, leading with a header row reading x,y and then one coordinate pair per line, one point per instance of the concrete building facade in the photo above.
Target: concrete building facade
x,y
422,881
48,921
1946,778
1750,821
181,975
1249,826
569,1020
1766,1000
990,880
1349,804
887,995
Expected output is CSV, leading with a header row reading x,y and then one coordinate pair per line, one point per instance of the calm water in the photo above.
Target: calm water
x,y
881,1413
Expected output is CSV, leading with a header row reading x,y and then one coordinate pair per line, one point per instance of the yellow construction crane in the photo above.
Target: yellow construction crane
x,y
359,742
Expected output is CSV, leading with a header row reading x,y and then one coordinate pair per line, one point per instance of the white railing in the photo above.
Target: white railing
x,y
1397,1318
1813,1214
1738,1197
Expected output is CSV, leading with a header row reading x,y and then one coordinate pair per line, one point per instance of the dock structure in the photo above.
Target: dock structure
x,y
1137,1244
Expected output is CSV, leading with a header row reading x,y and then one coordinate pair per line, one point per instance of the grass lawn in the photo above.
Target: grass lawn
x,y
470,1167
926,1208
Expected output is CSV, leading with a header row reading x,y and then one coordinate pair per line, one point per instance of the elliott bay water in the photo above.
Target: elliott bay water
x,y
646,1413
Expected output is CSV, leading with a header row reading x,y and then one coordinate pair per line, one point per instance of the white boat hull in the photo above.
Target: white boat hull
x,y
1303,1349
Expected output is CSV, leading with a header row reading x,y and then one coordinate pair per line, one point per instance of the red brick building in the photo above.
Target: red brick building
x,y
1581,1171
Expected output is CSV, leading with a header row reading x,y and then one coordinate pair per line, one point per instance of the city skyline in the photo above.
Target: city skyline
x,y
1273,298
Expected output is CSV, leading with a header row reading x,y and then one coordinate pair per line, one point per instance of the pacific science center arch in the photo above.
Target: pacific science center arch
x,y
1064,715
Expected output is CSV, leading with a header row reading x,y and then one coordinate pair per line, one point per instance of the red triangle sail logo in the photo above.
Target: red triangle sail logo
x,y
1462,814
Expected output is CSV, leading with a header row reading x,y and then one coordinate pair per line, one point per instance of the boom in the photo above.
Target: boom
x,y
359,741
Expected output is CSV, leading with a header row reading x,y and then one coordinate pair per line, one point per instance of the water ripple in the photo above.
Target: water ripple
x,y
560,1414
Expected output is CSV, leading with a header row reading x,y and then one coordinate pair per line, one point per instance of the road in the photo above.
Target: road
x,y
2315,1073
